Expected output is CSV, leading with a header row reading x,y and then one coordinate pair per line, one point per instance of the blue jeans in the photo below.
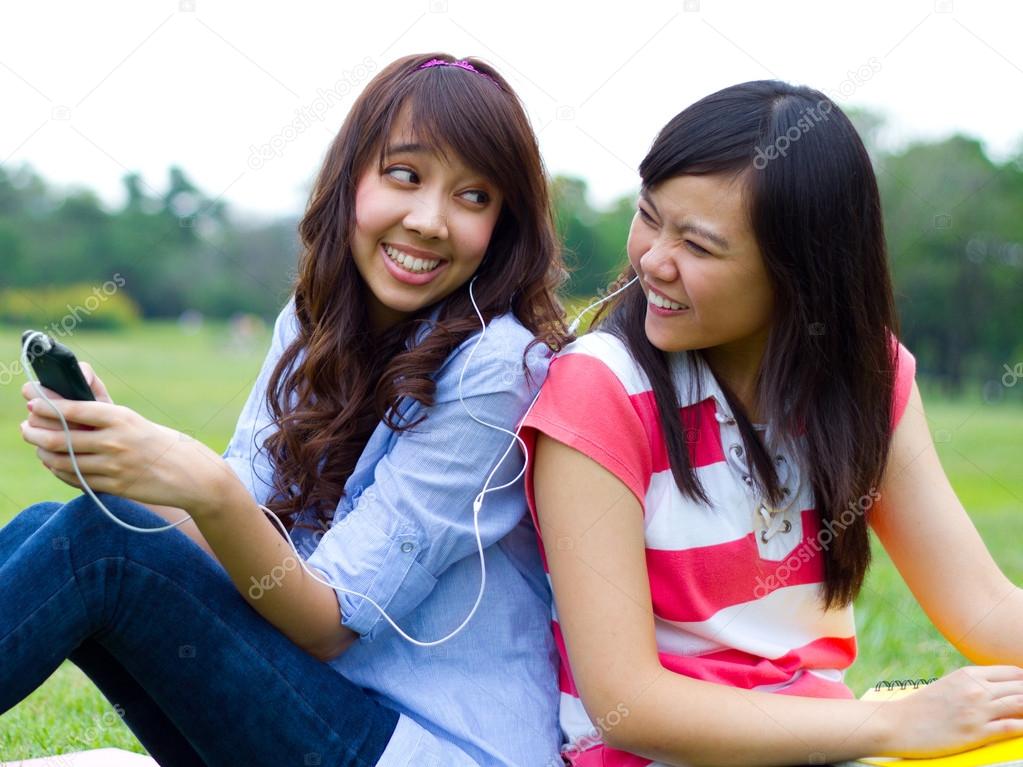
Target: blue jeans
x,y
161,629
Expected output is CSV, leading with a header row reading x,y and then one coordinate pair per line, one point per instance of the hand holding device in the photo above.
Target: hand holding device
x,y
55,366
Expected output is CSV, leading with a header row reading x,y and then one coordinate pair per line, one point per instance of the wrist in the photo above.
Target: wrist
x,y
215,487
885,727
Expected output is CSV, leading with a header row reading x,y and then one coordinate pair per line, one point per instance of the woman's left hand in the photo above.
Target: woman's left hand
x,y
122,453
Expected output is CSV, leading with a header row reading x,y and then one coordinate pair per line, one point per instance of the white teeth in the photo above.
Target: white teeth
x,y
409,262
657,300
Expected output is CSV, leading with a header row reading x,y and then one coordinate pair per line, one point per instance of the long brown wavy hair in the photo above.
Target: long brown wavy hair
x,y
829,367
338,379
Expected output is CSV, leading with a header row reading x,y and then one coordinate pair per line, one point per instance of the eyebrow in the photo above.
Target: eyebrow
x,y
405,148
685,226
416,148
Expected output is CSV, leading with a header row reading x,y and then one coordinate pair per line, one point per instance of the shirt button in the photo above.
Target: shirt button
x,y
407,547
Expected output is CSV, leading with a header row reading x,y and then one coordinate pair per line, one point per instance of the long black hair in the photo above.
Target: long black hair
x,y
828,371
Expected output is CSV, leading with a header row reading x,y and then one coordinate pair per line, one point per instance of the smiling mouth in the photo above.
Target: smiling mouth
x,y
411,263
658,300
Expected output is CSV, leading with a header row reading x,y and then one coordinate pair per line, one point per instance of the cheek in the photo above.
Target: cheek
x,y
739,299
371,208
759,295
474,236
637,244
762,304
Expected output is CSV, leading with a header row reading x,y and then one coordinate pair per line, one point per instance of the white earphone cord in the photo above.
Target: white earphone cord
x,y
477,503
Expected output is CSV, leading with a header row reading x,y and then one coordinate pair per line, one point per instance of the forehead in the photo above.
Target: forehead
x,y
406,138
718,203
724,196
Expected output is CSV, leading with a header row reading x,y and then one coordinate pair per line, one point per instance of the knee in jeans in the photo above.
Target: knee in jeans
x,y
38,513
87,516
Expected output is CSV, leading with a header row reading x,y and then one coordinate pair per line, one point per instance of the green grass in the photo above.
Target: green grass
x,y
198,383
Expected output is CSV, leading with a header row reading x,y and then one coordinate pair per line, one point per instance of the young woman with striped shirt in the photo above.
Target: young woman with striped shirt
x,y
706,465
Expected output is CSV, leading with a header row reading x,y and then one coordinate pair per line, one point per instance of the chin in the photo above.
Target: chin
x,y
669,347
669,342
403,302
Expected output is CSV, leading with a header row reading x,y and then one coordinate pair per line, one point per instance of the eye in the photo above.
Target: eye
x,y
406,175
697,249
481,197
646,217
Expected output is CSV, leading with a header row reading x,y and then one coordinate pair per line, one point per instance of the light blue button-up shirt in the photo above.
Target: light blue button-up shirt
x,y
403,535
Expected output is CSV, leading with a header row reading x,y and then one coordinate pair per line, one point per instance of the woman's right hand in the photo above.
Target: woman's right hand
x,y
967,708
45,418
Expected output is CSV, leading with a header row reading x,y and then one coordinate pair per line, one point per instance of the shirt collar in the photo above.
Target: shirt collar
x,y
708,388
692,391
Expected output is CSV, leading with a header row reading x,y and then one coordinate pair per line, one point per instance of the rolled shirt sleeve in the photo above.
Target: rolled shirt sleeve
x,y
395,537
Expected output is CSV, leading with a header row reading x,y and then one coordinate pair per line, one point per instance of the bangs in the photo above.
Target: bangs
x,y
457,114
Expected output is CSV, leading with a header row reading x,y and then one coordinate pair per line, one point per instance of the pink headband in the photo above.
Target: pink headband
x,y
461,64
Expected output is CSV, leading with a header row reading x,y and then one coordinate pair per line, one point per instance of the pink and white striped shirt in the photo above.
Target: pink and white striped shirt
x,y
735,585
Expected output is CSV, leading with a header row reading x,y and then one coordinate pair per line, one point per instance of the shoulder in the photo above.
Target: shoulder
x,y
905,362
594,401
503,332
601,354
595,380
497,358
286,324
905,374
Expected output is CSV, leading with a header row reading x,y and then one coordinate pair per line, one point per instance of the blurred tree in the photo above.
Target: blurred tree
x,y
594,241
953,220
951,215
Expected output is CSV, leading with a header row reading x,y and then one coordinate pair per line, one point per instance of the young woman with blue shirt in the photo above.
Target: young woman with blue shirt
x,y
363,436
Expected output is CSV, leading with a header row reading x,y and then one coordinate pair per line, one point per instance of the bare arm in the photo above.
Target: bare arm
x,y
921,523
593,527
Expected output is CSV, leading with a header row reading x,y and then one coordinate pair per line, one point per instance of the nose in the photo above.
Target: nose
x,y
658,263
427,217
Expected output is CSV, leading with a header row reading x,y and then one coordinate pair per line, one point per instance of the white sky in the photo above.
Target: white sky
x,y
92,90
